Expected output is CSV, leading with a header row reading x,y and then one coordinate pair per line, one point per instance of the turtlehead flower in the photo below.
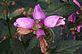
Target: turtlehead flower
x,y
36,24
29,23
79,27
77,3
72,17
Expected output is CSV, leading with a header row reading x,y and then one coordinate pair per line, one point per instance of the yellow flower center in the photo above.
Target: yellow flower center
x,y
80,8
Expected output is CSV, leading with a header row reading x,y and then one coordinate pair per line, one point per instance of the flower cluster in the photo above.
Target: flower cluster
x,y
27,25
72,18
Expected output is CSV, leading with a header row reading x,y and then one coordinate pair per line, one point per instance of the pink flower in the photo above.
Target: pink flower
x,y
53,21
37,23
38,13
77,3
24,22
79,27
72,17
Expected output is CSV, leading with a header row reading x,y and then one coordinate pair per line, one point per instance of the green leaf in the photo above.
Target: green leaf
x,y
14,14
33,43
33,47
3,28
68,47
4,46
1,12
58,8
45,1
13,46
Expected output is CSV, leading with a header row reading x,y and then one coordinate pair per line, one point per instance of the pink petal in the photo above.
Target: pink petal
x,y
60,22
79,27
72,18
38,13
78,12
52,21
40,33
77,3
24,22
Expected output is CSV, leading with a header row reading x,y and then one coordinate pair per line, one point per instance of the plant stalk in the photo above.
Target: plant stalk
x,y
6,12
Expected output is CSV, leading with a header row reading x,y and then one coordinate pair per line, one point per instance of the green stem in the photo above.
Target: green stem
x,y
9,28
7,18
53,34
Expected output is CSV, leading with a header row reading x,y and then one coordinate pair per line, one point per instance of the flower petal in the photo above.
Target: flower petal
x,y
24,22
40,33
51,21
79,27
43,45
78,12
77,3
72,18
60,22
38,13
23,31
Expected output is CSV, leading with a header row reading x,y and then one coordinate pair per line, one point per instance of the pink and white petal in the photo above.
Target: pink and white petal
x,y
51,21
77,3
60,22
79,27
38,13
24,22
